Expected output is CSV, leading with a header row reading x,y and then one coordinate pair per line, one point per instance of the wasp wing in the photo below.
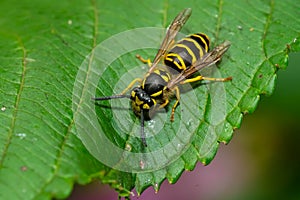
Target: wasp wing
x,y
208,59
172,31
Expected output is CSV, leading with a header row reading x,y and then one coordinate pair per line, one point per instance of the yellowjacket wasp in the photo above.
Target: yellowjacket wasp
x,y
187,57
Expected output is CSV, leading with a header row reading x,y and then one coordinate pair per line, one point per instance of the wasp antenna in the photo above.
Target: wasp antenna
x,y
143,137
111,97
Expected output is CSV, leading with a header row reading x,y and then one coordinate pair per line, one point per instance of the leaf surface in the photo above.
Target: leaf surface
x,y
44,44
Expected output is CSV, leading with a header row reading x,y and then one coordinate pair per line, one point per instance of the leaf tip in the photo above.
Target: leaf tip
x,y
156,187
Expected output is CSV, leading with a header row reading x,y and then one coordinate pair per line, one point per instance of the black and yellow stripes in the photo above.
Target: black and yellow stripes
x,y
201,39
184,53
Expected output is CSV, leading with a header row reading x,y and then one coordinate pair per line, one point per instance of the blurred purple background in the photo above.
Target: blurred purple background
x,y
262,161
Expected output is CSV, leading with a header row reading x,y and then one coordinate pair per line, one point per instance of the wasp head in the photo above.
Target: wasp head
x,y
140,100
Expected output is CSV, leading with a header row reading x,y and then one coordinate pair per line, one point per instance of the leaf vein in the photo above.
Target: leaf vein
x,y
17,102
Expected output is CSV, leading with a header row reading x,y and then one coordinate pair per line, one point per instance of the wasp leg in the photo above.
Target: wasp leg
x,y
199,78
131,85
143,136
164,104
146,61
177,94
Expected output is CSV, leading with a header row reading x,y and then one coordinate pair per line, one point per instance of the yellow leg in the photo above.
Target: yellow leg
x,y
177,94
164,104
146,61
199,78
131,85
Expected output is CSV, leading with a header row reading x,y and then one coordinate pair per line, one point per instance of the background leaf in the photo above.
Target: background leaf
x,y
44,43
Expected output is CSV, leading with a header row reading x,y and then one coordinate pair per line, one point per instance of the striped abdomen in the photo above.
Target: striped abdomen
x,y
185,53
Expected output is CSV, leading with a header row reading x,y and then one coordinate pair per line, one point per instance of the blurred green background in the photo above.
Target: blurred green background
x,y
262,161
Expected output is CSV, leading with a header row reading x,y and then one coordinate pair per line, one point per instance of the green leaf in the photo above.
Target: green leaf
x,y
47,46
